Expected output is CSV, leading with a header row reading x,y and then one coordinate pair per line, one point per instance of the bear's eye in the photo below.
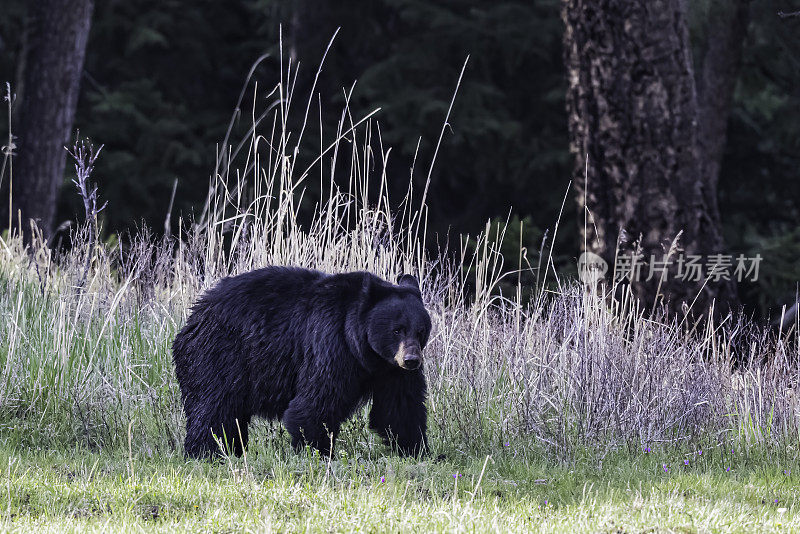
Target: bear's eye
x,y
398,331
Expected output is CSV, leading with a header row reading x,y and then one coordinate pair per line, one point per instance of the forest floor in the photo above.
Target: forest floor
x,y
277,490
551,408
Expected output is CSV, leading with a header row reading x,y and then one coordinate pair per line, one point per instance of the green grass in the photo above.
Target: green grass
x,y
541,410
279,491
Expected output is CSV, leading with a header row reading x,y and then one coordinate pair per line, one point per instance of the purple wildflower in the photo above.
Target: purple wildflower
x,y
383,479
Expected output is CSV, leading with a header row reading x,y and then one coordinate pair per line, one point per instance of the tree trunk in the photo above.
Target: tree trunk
x,y
55,49
633,121
716,80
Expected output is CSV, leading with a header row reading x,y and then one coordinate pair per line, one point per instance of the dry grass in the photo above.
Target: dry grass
x,y
86,355
86,361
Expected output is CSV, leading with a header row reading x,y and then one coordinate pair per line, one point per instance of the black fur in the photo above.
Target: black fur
x,y
307,348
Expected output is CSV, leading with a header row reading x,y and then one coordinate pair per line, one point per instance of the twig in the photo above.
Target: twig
x,y
785,15
167,231
85,158
8,154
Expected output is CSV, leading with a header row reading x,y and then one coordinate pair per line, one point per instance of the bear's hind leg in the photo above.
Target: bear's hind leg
x,y
199,442
203,433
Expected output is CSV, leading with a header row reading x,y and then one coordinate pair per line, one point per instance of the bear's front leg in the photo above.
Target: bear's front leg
x,y
398,410
316,413
308,426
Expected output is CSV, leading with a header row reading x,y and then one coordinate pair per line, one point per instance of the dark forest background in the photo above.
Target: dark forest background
x,y
161,79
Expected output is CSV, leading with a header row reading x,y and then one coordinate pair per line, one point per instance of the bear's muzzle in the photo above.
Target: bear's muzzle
x,y
408,356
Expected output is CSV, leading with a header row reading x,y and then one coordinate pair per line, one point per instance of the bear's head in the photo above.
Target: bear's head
x,y
397,324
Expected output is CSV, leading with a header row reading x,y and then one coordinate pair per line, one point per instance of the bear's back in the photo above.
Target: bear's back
x,y
260,304
248,328
262,284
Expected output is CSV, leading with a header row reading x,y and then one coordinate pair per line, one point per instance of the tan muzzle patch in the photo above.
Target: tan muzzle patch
x,y
400,355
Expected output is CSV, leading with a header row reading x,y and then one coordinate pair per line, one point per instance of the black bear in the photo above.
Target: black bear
x,y
307,348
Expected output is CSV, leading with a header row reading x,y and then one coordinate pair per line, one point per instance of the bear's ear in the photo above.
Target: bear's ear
x,y
407,280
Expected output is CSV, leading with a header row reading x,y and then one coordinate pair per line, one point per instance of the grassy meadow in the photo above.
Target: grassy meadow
x,y
363,490
564,412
